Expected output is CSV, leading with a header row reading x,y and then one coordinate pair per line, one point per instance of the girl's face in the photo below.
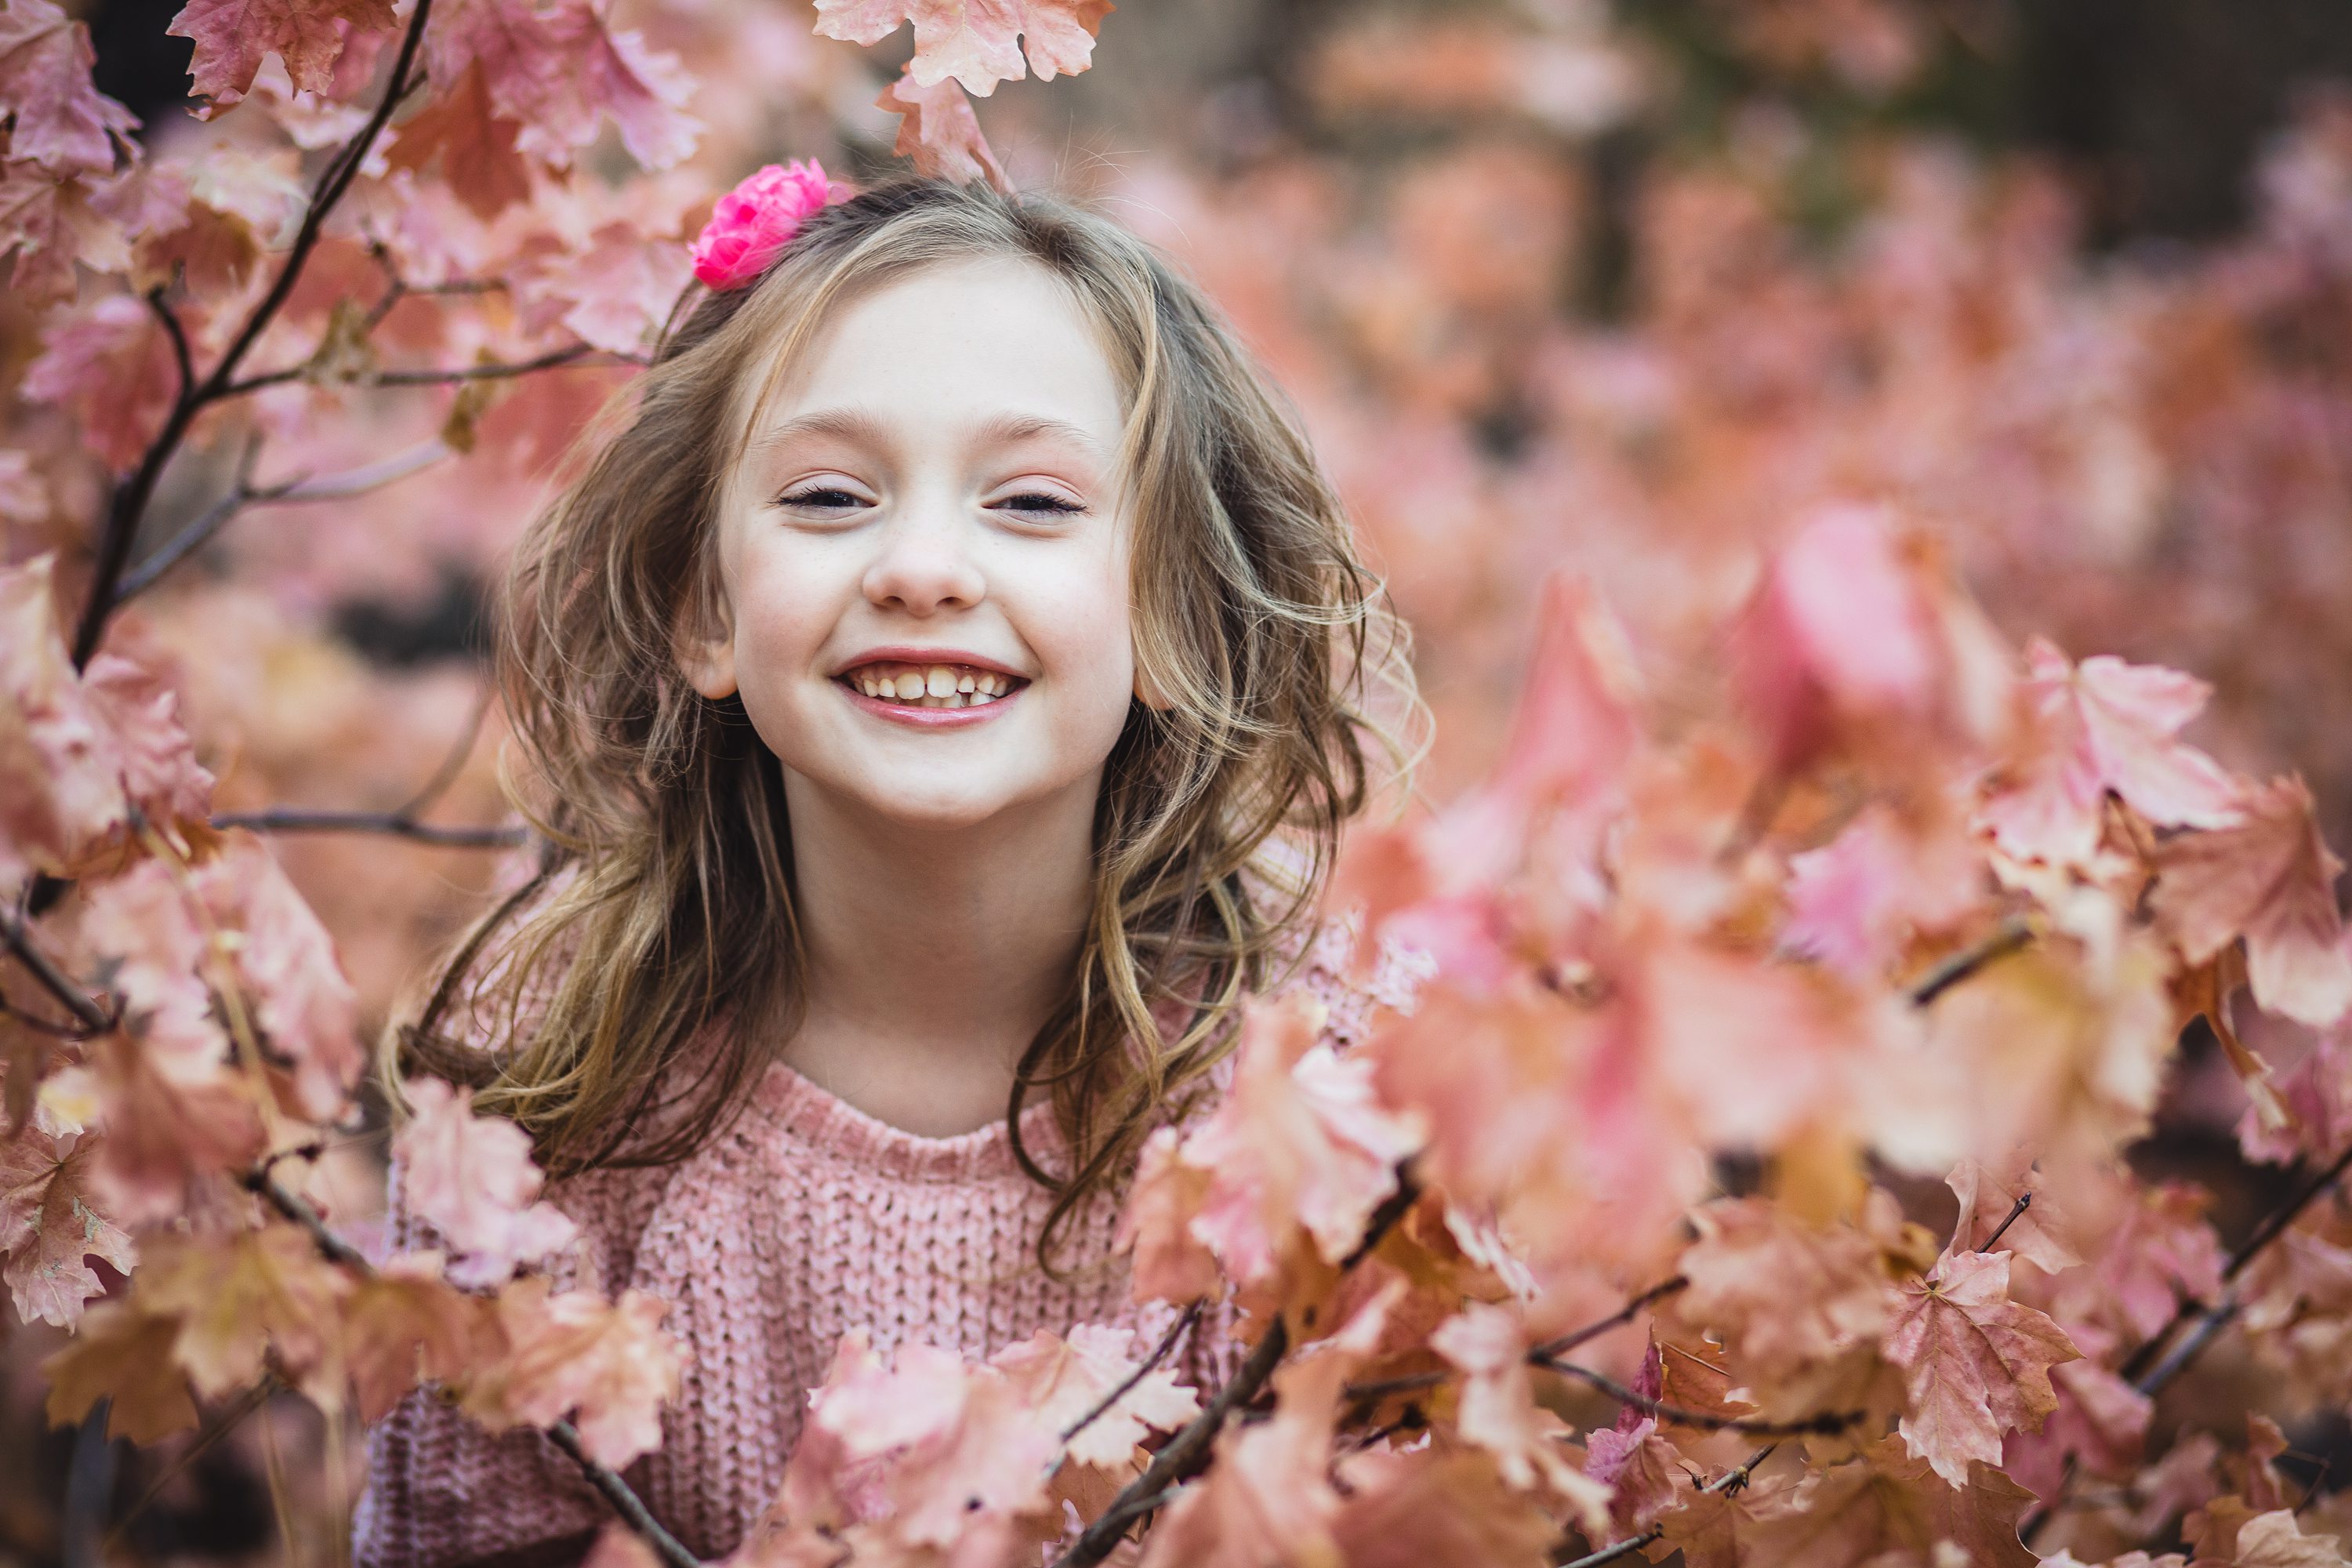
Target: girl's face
x,y
924,555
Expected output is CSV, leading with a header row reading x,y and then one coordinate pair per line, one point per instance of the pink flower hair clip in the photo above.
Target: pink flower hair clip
x,y
755,220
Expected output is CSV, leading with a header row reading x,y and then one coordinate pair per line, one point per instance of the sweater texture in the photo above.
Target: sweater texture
x,y
805,1219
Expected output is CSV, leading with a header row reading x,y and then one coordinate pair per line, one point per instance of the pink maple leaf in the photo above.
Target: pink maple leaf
x,y
2107,725
49,222
471,1177
2270,878
307,1011
1301,1143
160,770
112,367
1976,1364
60,784
232,37
1062,1379
56,118
608,1365
1498,1412
49,1228
938,129
977,42
617,291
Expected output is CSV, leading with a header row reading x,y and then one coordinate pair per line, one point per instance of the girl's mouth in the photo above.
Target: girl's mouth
x,y
929,686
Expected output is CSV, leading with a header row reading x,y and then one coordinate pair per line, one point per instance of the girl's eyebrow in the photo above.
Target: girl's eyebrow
x,y
865,429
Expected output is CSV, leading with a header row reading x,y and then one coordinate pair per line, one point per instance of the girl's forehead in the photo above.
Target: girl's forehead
x,y
984,346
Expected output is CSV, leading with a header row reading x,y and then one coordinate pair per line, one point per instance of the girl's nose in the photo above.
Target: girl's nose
x,y
925,566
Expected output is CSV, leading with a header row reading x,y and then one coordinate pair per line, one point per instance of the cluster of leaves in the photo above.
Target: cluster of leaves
x,y
1729,975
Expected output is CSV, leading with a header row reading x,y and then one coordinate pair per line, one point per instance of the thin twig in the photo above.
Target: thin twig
x,y
1619,1319
72,997
179,335
2272,1227
2016,1210
222,1424
1181,1457
616,1490
623,1498
297,819
1191,1316
127,508
1825,1424
48,1026
494,370
1723,1485
2007,937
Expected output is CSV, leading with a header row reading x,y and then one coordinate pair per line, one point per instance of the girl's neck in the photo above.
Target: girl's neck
x,y
933,956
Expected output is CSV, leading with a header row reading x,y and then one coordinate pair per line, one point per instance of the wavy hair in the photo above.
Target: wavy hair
x,y
635,986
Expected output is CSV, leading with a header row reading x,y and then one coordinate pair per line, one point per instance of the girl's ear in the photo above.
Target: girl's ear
x,y
705,651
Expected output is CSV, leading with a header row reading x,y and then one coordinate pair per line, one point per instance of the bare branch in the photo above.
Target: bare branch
x,y
624,1500
1181,1457
495,370
1191,1316
1722,1486
616,1490
128,505
1619,1319
2024,1201
2007,937
1828,1422
296,819
179,335
55,981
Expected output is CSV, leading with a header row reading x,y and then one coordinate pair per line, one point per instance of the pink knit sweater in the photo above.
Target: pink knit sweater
x,y
807,1218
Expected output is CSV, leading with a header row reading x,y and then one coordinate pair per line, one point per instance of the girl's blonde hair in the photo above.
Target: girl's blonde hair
x,y
655,963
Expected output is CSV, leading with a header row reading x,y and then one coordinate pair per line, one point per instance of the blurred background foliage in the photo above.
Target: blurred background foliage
x,y
1632,289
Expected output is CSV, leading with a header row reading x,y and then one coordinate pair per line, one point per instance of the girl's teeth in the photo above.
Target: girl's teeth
x,y
931,686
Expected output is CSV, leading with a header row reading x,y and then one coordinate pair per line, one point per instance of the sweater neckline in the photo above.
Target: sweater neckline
x,y
826,1121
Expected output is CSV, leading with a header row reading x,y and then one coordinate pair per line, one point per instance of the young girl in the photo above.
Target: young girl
x,y
945,681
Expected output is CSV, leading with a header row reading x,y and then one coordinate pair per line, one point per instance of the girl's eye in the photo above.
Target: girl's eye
x,y
824,498
1039,503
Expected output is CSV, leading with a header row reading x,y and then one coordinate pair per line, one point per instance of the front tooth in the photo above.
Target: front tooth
x,y
967,681
908,686
987,683
939,680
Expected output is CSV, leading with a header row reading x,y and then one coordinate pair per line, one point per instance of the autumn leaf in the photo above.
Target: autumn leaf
x,y
55,118
1976,1364
48,1227
1268,1496
557,74
472,1179
1498,1410
61,786
617,291
125,1354
251,1299
978,42
938,130
1988,1195
47,223
1061,1380
1433,1506
2271,880
1641,1468
1800,1308
406,1323
232,37
1301,1143
159,768
476,145
2107,725
110,365
1882,1509
608,1366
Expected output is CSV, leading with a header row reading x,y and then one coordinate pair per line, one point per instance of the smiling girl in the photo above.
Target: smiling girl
x,y
943,685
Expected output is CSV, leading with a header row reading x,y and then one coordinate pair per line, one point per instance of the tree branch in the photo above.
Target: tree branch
x,y
1191,1316
2007,937
297,819
495,370
55,981
1827,1423
616,1491
127,506
1723,1485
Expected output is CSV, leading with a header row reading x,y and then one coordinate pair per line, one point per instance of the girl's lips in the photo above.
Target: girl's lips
x,y
930,717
